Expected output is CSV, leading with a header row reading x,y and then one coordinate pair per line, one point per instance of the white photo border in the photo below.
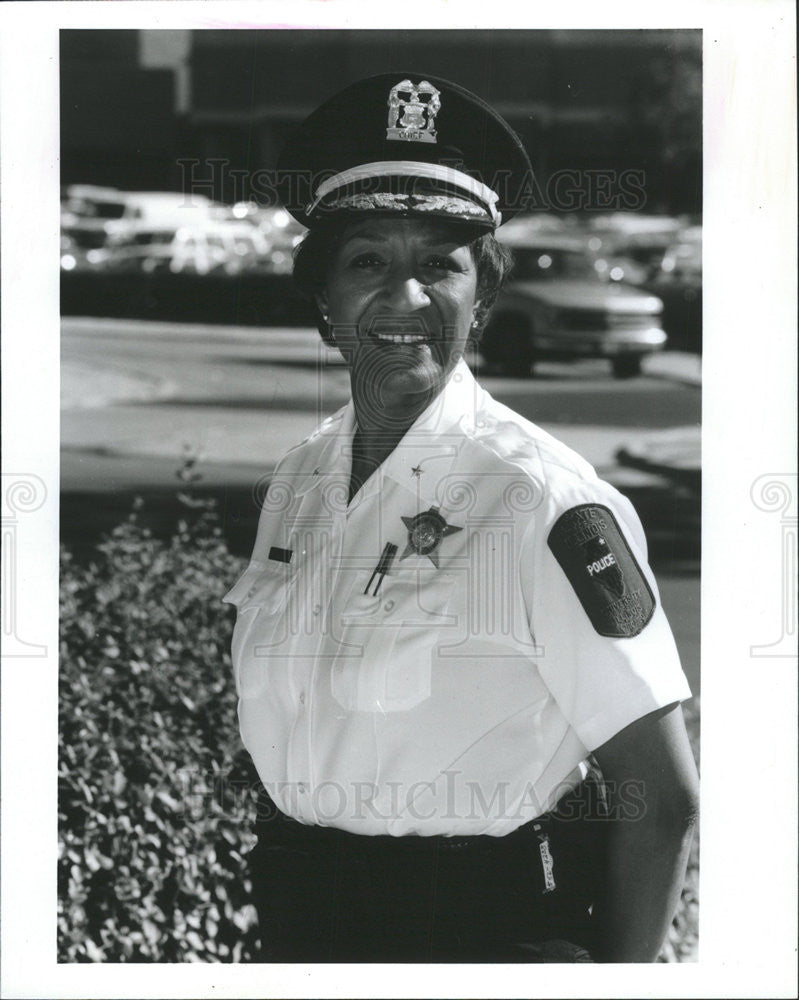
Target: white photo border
x,y
748,873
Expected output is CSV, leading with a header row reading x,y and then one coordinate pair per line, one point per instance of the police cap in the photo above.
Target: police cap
x,y
405,144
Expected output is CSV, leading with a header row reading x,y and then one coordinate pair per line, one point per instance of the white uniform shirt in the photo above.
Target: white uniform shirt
x,y
458,698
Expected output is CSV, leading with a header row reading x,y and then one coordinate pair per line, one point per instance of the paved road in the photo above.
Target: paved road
x,y
137,397
243,396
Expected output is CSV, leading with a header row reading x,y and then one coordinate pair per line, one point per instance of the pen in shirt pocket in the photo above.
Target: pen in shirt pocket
x,y
383,567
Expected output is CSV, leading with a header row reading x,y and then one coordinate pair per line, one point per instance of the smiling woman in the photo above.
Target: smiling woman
x,y
401,298
448,619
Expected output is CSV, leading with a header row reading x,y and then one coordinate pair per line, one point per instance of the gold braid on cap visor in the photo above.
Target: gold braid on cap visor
x,y
410,168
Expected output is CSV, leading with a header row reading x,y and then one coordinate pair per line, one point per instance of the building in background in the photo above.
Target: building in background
x,y
119,123
140,107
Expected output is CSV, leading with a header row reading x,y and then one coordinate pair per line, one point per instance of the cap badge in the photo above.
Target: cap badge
x,y
425,533
412,110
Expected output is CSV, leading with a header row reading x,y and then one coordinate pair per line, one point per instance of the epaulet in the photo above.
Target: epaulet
x,y
318,432
328,424
529,448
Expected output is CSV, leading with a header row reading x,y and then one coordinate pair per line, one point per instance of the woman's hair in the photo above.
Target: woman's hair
x,y
313,256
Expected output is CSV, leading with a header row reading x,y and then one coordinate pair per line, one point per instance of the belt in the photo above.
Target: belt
x,y
275,827
280,830
284,830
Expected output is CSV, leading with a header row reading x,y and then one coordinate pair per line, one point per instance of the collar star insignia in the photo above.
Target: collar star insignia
x,y
416,471
425,533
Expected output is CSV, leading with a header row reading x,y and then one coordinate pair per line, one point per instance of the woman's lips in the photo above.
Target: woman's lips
x,y
390,330
399,338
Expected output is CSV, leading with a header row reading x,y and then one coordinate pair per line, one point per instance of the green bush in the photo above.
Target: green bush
x,y
157,797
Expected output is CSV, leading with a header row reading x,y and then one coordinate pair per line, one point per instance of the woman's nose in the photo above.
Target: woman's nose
x,y
405,293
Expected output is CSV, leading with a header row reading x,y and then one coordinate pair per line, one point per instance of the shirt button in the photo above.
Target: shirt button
x,y
251,591
302,698
388,605
317,608
301,787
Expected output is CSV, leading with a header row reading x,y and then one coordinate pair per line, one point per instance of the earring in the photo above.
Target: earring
x,y
325,317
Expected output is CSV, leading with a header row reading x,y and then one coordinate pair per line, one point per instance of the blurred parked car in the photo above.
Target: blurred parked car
x,y
632,223
556,306
628,246
145,248
246,247
86,213
76,256
159,209
280,229
96,219
682,261
533,224
215,247
677,280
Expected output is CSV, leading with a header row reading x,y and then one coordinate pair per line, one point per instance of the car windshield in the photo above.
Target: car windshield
x,y
148,238
543,264
109,209
92,209
87,241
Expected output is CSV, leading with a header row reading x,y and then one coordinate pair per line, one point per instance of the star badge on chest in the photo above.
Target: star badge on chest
x,y
425,533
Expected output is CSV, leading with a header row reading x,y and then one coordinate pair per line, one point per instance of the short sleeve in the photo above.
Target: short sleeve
x,y
274,521
607,653
239,590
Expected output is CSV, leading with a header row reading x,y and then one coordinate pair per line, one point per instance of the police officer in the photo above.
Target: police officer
x,y
448,619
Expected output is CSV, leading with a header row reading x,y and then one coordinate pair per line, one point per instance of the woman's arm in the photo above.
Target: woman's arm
x,y
647,849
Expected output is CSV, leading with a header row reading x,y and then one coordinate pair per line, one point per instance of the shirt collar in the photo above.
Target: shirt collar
x,y
460,398
424,455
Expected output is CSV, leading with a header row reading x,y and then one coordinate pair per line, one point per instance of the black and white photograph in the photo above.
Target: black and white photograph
x,y
384,510
434,581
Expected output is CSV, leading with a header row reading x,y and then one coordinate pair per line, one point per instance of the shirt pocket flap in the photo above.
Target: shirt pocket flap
x,y
406,600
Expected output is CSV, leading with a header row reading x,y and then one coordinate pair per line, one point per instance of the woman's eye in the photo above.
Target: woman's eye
x,y
366,260
441,263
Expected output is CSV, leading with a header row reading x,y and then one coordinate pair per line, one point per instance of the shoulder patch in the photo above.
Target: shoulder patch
x,y
598,561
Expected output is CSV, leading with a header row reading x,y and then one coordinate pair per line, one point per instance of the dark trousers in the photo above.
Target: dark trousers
x,y
324,895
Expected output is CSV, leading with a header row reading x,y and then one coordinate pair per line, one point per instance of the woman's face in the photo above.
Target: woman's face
x,y
400,299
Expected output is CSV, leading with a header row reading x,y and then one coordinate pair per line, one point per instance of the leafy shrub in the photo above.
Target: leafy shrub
x,y
156,795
